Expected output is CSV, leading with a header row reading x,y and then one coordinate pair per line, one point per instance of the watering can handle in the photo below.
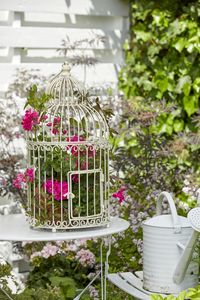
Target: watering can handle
x,y
166,195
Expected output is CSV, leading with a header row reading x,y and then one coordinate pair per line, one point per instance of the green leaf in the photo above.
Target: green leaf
x,y
180,44
195,296
142,35
156,297
182,295
184,85
178,125
196,85
56,280
190,104
162,84
170,297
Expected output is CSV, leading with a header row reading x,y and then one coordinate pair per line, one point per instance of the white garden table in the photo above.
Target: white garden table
x,y
16,228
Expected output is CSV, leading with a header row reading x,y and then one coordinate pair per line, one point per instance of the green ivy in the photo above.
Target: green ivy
x,y
162,59
193,293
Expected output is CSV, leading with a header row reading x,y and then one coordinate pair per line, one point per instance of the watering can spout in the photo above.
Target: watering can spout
x,y
194,220
185,259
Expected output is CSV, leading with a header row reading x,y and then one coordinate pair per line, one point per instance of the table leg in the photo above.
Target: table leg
x,y
104,266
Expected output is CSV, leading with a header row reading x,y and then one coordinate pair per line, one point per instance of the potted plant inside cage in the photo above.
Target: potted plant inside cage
x,y
67,178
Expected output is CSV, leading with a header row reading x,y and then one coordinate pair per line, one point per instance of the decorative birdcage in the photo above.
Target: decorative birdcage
x,y
69,152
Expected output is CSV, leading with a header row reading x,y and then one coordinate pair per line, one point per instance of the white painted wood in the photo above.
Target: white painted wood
x,y
6,17
6,55
51,37
51,55
32,30
81,7
18,229
139,274
133,280
126,287
101,73
72,21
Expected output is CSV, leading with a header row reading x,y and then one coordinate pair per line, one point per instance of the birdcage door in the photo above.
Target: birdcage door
x,y
85,194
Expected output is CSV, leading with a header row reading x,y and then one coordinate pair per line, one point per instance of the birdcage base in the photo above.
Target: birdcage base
x,y
103,221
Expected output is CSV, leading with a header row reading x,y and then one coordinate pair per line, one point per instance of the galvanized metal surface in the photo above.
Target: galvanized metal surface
x,y
194,218
80,136
163,241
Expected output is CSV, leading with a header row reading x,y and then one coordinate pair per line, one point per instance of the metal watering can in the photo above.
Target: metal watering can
x,y
168,244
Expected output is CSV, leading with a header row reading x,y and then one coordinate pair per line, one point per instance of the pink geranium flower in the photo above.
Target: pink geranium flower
x,y
58,189
30,119
43,118
75,138
120,194
75,178
85,257
22,178
74,149
29,175
55,125
19,181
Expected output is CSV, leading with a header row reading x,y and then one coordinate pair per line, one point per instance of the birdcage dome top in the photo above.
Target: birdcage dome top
x,y
64,88
70,114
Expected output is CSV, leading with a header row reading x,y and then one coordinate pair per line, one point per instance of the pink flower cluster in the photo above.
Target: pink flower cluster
x,y
29,175
85,257
57,188
56,126
120,194
30,119
23,178
19,181
47,251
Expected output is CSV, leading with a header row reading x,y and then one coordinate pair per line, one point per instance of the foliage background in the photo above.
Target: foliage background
x,y
161,83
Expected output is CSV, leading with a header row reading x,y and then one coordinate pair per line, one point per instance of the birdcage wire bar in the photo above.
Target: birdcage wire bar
x,y
69,151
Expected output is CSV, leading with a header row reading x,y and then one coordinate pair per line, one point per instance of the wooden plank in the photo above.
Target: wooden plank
x,y
6,17
6,54
53,56
99,74
80,7
133,280
127,288
31,37
38,19
139,274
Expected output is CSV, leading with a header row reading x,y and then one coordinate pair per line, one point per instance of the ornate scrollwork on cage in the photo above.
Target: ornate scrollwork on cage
x,y
69,152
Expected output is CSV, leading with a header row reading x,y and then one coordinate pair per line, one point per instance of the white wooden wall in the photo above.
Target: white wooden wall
x,y
32,30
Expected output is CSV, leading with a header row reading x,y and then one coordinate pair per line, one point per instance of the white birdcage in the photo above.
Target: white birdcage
x,y
70,155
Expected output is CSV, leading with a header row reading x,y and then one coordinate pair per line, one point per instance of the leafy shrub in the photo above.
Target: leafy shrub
x,y
193,293
162,59
158,147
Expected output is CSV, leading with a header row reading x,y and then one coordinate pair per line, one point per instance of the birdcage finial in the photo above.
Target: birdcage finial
x,y
66,68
